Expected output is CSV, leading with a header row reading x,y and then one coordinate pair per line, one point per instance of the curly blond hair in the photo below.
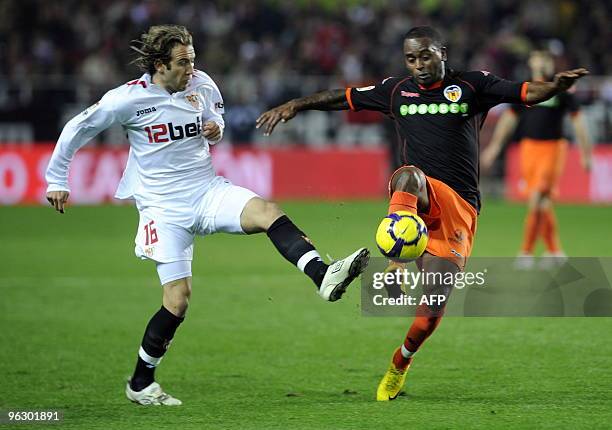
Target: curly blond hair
x,y
156,45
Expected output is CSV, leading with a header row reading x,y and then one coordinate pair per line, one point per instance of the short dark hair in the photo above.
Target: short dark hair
x,y
425,31
157,44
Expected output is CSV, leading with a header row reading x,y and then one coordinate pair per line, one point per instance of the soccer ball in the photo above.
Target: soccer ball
x,y
402,236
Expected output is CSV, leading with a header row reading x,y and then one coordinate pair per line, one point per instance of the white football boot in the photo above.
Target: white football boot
x,y
341,273
524,261
552,260
151,395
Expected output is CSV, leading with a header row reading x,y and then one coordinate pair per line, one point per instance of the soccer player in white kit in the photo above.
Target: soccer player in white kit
x,y
171,115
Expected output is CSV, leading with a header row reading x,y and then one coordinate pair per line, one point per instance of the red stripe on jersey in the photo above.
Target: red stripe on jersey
x,y
348,98
432,86
468,84
393,93
137,82
524,92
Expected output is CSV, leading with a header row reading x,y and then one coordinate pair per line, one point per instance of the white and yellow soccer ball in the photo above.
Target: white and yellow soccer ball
x,y
402,236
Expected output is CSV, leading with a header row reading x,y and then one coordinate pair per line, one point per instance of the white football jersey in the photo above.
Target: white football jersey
x,y
168,153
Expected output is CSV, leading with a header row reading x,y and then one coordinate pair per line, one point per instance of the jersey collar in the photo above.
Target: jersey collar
x,y
433,86
154,87
147,78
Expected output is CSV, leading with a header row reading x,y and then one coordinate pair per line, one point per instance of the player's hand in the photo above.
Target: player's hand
x,y
269,119
564,80
58,199
211,131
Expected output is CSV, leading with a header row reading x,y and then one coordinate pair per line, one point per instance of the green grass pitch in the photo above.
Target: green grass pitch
x,y
259,349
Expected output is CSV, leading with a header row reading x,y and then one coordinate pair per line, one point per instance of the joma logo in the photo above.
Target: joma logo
x,y
145,110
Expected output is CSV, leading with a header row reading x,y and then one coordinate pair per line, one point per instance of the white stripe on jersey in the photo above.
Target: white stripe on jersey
x,y
168,154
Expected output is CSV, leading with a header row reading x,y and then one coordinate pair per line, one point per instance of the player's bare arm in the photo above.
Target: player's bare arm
x,y
584,142
540,91
211,131
58,199
503,131
324,100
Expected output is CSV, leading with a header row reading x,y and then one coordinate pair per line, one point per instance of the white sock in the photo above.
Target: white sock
x,y
406,353
307,258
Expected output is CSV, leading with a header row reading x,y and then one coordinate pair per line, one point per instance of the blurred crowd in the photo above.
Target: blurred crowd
x,y
261,51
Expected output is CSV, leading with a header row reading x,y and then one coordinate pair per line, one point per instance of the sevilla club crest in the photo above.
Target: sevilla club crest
x,y
194,100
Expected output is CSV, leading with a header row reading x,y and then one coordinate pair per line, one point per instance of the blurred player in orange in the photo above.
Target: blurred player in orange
x,y
543,152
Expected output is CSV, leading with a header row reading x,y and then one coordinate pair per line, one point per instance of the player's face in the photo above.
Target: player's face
x,y
424,60
542,64
176,75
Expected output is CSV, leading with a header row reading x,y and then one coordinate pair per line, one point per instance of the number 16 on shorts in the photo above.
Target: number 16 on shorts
x,y
147,238
150,233
163,241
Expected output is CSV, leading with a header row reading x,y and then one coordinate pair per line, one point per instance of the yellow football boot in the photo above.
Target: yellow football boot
x,y
391,384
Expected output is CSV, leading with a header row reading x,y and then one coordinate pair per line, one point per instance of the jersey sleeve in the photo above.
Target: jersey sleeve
x,y
214,108
373,97
76,133
492,90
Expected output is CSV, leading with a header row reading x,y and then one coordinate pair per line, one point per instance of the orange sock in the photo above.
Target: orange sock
x,y
532,226
403,201
422,327
550,231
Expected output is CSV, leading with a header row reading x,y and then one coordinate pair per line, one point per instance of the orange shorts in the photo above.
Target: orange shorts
x,y
542,163
451,223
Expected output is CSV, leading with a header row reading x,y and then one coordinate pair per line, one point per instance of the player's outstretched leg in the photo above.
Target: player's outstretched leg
x,y
425,322
260,215
408,191
142,388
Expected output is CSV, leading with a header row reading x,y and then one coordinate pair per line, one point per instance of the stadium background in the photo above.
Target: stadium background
x,y
257,349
